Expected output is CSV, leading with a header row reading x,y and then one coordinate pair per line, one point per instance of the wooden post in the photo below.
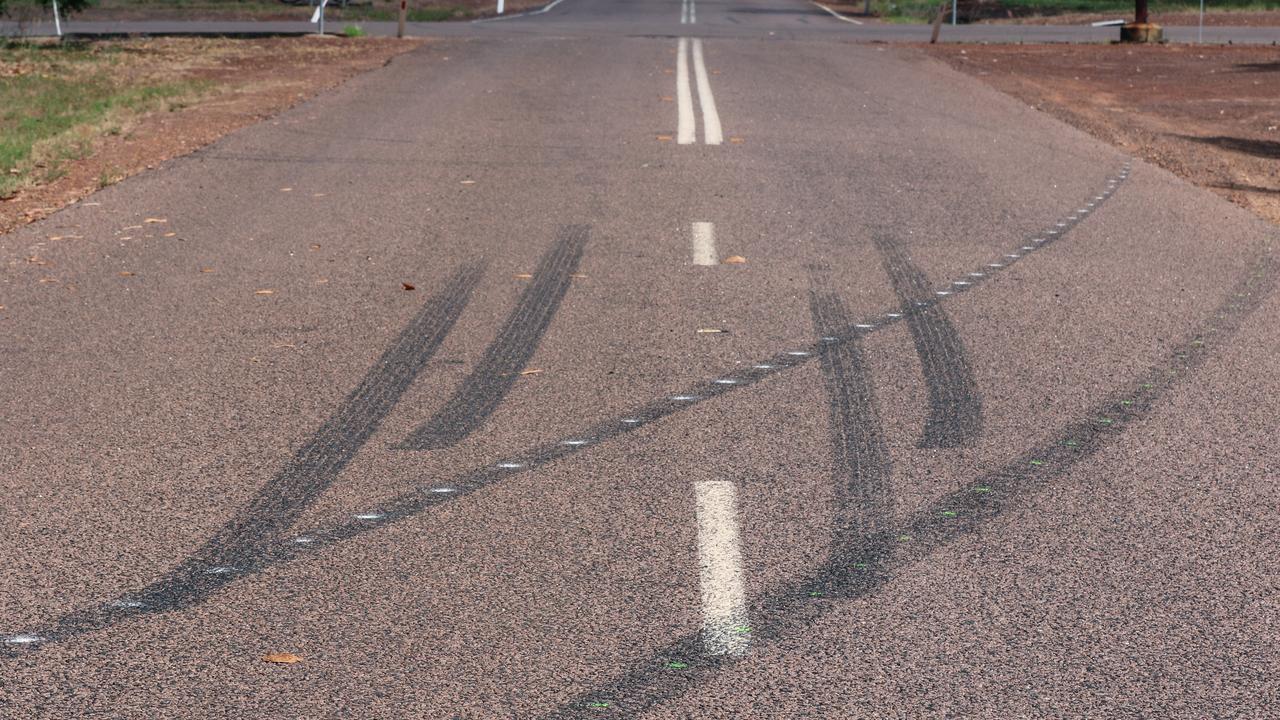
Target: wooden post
x,y
937,22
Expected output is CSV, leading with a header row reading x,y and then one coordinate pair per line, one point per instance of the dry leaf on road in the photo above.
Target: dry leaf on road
x,y
532,371
264,292
153,221
712,330
734,260
522,276
282,658
407,286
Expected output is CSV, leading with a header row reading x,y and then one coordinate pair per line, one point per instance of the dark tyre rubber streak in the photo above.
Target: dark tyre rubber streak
x,y
410,504
243,543
955,409
498,371
672,671
861,467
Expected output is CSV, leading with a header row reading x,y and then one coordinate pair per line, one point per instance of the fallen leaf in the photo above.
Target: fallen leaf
x,y
580,276
126,273
736,140
318,194
407,286
131,227
264,292
734,260
285,658
155,221
664,138
315,246
170,234
47,280
712,330
207,270
533,371
468,182
286,189
321,281
522,276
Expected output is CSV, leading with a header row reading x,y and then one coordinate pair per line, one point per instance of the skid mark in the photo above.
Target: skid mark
x,y
955,408
491,380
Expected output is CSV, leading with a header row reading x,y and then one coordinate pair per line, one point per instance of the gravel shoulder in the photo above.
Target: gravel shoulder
x,y
1207,114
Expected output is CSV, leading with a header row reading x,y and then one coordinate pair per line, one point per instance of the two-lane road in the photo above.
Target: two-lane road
x,y
446,382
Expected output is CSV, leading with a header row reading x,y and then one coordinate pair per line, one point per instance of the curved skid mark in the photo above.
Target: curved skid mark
x,y
795,608
201,586
955,408
497,372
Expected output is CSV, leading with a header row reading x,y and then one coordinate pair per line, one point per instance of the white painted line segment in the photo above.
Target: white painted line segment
x,y
704,244
837,15
685,131
724,599
711,134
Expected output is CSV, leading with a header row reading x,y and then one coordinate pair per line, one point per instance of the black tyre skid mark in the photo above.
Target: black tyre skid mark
x,y
955,408
412,503
861,468
672,671
240,544
491,380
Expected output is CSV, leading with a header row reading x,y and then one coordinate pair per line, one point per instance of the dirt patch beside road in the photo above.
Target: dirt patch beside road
x,y
212,87
1210,114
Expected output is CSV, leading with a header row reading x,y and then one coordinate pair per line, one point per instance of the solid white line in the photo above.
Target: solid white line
x,y
837,15
724,601
704,244
711,134
539,11
686,133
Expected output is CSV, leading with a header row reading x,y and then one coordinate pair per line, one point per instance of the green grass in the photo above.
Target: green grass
x,y
353,31
372,14
65,97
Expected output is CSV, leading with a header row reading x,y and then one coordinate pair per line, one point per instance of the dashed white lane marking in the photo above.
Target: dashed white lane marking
x,y
684,12
837,15
685,131
724,599
711,134
704,244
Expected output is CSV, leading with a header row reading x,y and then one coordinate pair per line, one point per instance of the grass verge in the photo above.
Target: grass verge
x,y
56,99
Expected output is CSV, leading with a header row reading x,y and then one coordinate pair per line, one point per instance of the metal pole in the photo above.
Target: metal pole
x,y
1140,14
1200,33
953,11
404,9
57,23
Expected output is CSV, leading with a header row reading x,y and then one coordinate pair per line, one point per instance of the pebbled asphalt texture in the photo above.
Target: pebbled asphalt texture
x,y
998,401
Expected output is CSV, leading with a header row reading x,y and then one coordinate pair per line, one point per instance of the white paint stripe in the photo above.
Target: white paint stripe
x,y
724,601
539,11
684,12
704,244
686,133
693,12
711,134
837,15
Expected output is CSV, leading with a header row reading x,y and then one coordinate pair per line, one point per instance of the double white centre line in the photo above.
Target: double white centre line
x,y
688,12
724,599
685,122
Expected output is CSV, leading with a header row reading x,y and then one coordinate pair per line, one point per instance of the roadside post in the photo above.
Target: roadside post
x,y
318,15
404,10
1200,32
954,5
1141,30
57,22
501,6
937,22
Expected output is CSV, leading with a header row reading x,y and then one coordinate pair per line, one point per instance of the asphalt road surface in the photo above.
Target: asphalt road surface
x,y
444,383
